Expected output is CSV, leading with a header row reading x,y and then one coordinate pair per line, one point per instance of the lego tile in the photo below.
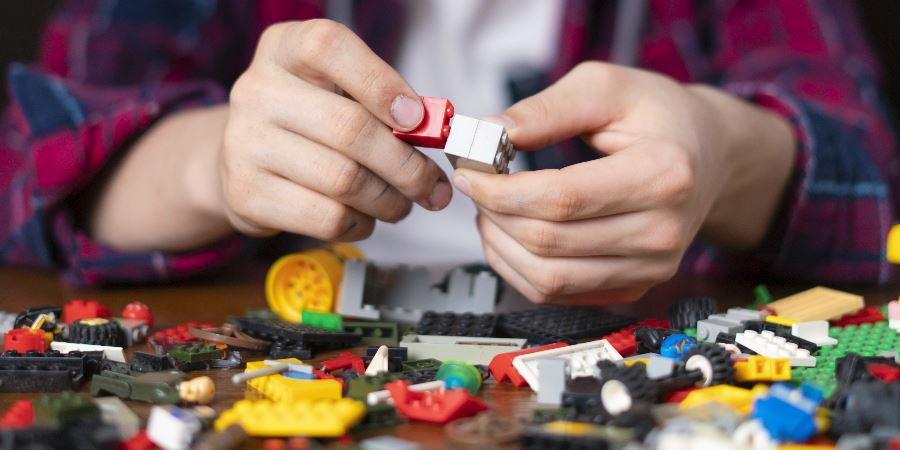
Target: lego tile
x,y
301,417
582,359
819,303
434,129
472,350
110,353
551,324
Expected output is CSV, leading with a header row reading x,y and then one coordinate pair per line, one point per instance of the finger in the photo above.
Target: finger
x,y
327,49
565,109
344,125
641,234
280,204
632,180
554,276
323,170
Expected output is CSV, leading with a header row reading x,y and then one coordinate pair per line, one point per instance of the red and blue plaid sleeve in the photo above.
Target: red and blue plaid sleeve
x,y
107,70
808,61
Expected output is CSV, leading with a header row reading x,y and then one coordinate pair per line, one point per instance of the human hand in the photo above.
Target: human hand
x,y
299,156
604,231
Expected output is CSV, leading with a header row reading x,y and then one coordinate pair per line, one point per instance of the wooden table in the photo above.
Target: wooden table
x,y
232,292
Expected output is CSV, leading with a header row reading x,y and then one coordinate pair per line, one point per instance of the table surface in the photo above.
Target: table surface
x,y
231,293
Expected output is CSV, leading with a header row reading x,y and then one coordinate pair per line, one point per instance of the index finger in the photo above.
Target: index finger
x,y
327,49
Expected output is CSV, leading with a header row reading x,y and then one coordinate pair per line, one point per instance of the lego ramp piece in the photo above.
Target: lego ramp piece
x,y
312,418
769,345
818,303
582,360
502,369
280,388
473,350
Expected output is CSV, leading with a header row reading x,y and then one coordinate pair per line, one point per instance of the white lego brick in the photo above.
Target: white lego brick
x,y
110,353
769,345
172,428
552,376
462,135
114,411
744,314
473,350
384,396
815,331
582,360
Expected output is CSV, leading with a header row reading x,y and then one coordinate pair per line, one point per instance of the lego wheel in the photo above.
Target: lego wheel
x,y
622,387
686,312
712,361
96,331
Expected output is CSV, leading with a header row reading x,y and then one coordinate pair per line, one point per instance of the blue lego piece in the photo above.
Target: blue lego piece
x,y
676,345
300,375
788,413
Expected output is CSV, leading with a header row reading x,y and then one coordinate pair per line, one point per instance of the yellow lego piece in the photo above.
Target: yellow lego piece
x,y
780,320
312,418
739,399
893,245
280,388
818,303
632,362
760,368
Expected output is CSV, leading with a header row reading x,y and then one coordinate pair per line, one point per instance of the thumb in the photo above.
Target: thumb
x,y
585,100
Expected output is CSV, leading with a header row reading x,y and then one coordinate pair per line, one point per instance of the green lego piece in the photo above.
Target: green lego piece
x,y
692,332
763,297
459,374
324,320
421,364
151,387
52,411
361,387
868,339
190,353
378,416
374,333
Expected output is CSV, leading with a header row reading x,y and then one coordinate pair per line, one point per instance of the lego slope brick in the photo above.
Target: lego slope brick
x,y
434,129
433,407
502,369
623,340
582,360
818,303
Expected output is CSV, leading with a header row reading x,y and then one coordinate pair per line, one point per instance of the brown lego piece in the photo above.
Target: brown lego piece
x,y
818,303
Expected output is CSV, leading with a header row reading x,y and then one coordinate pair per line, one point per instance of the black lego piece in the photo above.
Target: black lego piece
x,y
94,332
149,362
853,367
717,358
649,339
396,357
550,324
47,372
452,324
80,435
276,330
686,312
420,376
780,331
863,407
27,317
289,349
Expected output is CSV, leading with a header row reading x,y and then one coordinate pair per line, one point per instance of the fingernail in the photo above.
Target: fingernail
x,y
406,111
440,196
502,119
462,185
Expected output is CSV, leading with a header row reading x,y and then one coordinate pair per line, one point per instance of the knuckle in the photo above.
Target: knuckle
x,y
417,175
244,90
400,210
348,180
564,204
679,179
337,220
319,38
354,126
549,282
542,239
667,238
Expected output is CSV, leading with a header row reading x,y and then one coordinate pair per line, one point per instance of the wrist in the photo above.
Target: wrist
x,y
200,180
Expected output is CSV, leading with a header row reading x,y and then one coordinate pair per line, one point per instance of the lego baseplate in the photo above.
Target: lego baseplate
x,y
561,324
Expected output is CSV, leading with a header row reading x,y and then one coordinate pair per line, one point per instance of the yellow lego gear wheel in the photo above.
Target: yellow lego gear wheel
x,y
307,280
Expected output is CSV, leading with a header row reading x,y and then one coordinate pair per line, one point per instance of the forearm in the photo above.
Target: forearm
x,y
760,153
164,194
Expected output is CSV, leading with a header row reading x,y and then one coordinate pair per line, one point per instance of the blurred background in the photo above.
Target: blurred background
x,y
21,23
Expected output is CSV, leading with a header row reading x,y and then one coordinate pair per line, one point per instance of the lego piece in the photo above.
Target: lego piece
x,y
110,353
379,362
375,398
404,294
19,415
163,340
502,369
624,341
172,428
133,331
229,335
788,413
284,389
485,430
452,324
814,331
767,344
231,438
434,129
421,364
324,320
884,372
460,374
54,411
675,345
138,311
307,280
739,399
708,329
24,340
95,331
864,407
581,357
168,387
686,312
300,334
78,309
778,320
660,367
388,442
50,372
395,357
781,331
893,309
433,407
374,333
345,360
819,303
471,350
299,417
268,369
478,145
574,435
561,324
760,368
868,314
114,411
552,376
195,352
761,295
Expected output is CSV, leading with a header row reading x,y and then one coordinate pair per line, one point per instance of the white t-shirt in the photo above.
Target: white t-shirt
x,y
463,50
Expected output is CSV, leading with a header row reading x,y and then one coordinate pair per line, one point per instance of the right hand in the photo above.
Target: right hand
x,y
298,156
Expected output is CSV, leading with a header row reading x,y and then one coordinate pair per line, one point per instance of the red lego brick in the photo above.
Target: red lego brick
x,y
884,372
679,395
176,335
138,311
19,415
502,369
434,128
434,407
345,360
139,441
623,340
868,315
78,309
24,340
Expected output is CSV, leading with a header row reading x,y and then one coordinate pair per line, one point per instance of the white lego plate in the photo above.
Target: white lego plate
x,y
582,359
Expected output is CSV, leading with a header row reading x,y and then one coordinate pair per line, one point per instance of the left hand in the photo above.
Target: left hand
x,y
605,231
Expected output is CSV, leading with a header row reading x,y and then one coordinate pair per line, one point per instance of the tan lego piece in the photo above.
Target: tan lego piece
x,y
818,303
